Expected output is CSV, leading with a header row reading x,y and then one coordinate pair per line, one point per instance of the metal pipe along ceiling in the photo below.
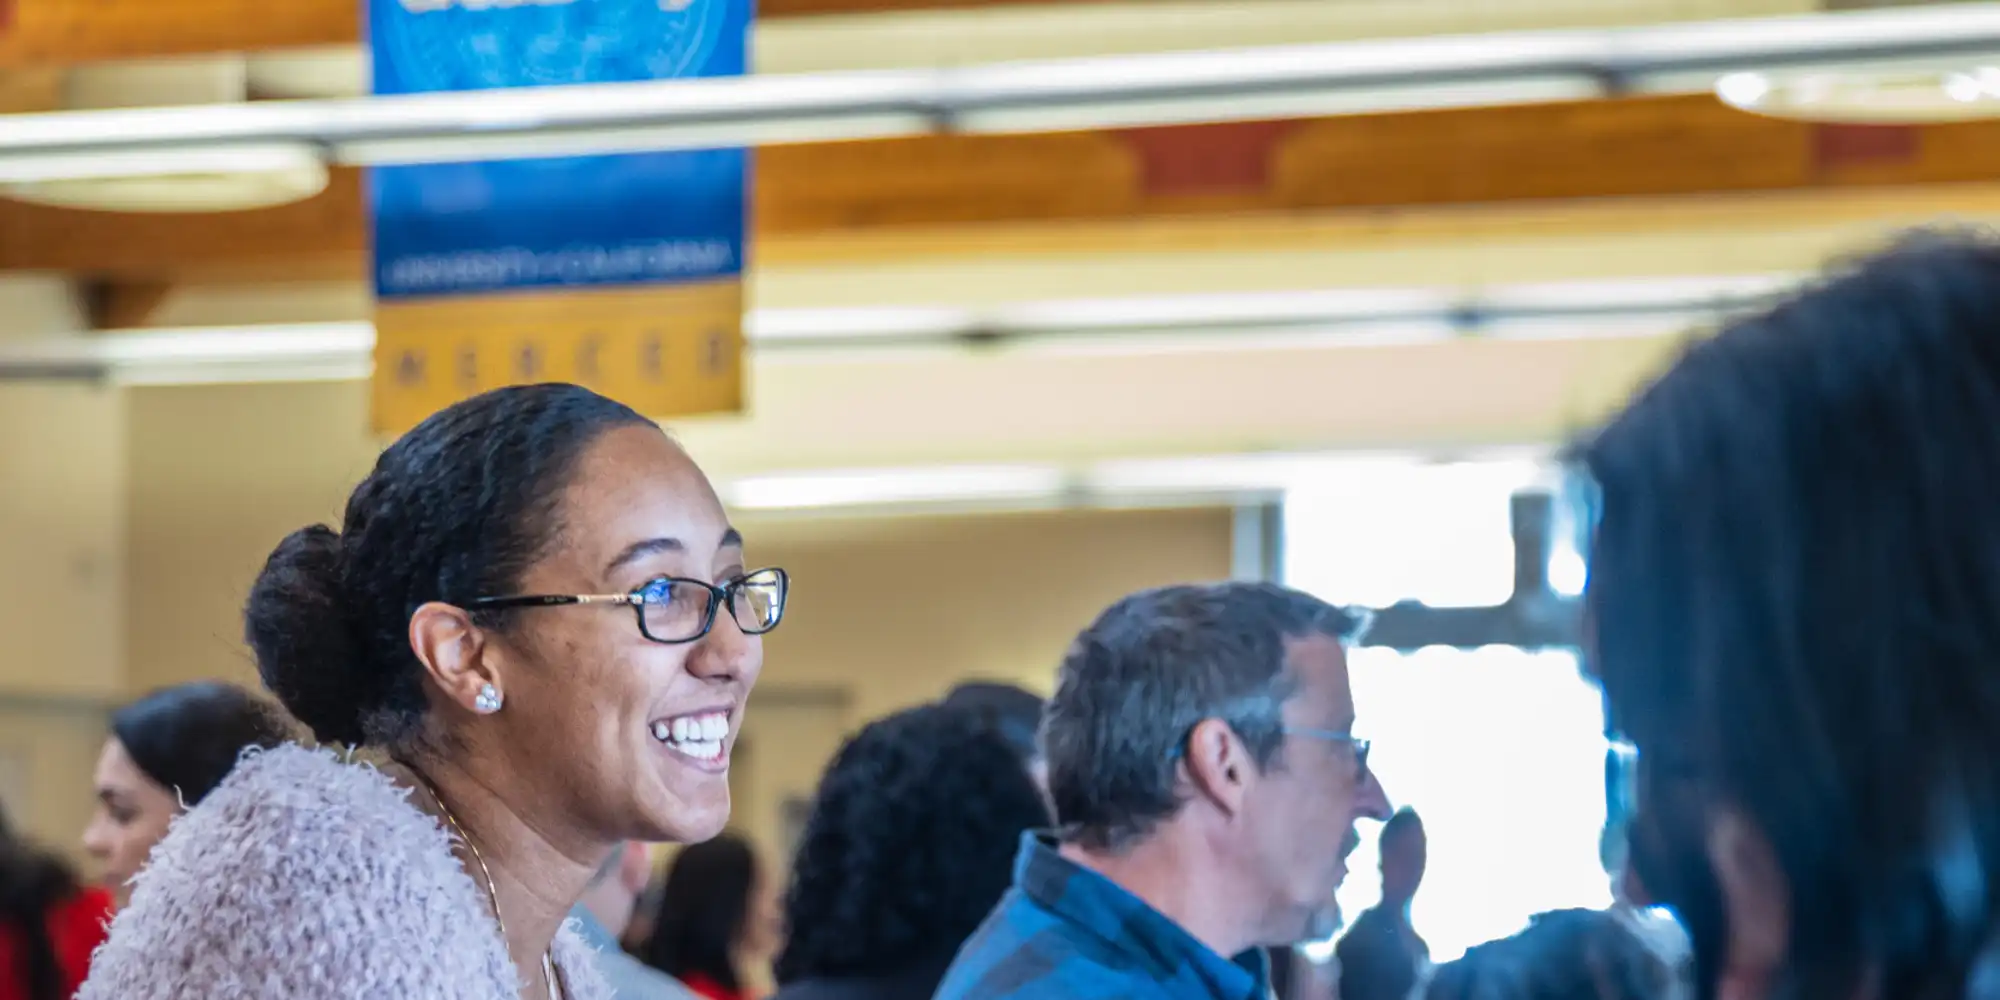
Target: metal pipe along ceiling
x,y
1331,317
1223,85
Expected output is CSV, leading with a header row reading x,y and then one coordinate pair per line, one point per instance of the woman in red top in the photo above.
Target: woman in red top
x,y
49,925
714,916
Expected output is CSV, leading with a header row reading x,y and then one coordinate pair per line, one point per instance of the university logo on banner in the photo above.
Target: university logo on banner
x,y
623,273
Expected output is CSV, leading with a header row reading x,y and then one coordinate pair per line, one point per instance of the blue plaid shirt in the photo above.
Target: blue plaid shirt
x,y
1064,931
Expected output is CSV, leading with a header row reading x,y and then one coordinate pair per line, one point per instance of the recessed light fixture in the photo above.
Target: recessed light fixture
x,y
1912,95
224,179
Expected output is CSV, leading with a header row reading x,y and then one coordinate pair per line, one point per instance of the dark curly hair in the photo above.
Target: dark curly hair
x,y
1563,955
909,845
455,510
1793,583
1013,713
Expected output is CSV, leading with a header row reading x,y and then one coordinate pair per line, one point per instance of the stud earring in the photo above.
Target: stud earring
x,y
487,701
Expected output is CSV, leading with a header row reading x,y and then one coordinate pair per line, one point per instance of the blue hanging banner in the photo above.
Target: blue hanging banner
x,y
620,272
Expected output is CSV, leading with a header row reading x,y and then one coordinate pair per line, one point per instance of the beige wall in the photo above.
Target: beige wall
x,y
48,750
902,609
889,613
62,475
218,475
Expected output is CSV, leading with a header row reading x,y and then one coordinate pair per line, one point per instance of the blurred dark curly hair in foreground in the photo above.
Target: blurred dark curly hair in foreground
x,y
910,844
1563,955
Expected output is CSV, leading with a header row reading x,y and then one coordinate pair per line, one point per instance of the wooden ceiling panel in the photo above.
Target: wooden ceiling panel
x,y
886,32
1582,150
804,194
321,236
49,32
944,180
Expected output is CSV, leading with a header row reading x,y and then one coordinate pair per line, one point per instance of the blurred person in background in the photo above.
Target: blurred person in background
x,y
1206,781
1563,955
906,851
1013,713
166,752
1381,956
49,924
1791,605
716,920
1297,974
1654,925
603,914
536,630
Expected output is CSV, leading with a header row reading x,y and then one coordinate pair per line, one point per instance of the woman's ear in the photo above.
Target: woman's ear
x,y
453,652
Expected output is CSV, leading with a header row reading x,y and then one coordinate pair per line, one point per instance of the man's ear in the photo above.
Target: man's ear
x,y
453,652
1219,765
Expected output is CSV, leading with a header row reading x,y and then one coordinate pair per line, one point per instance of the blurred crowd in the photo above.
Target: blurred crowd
x,y
521,661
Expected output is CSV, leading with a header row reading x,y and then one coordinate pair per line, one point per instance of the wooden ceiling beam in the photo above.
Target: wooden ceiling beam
x,y
56,32
814,194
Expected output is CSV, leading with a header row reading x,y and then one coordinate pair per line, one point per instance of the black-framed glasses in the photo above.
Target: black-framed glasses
x,y
674,609
1359,746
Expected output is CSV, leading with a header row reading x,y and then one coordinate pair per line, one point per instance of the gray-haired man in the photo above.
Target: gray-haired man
x,y
1206,778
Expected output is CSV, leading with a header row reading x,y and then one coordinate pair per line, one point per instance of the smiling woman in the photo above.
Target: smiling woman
x,y
467,628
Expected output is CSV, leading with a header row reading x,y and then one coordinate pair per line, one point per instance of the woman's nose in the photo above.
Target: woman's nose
x,y
726,653
96,839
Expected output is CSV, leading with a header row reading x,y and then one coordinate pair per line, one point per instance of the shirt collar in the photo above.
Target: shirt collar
x,y
1107,911
593,933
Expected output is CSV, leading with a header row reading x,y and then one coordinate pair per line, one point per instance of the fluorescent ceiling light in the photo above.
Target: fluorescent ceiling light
x,y
875,487
1118,482
803,326
1257,308
1270,472
299,352
1888,96
1671,296
1234,322
191,161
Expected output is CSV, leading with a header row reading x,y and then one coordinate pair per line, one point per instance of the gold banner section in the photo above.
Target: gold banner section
x,y
664,350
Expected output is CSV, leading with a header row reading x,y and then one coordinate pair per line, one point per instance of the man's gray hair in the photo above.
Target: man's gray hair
x,y
1138,680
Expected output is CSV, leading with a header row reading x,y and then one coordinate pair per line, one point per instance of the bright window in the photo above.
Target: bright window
x,y
1501,750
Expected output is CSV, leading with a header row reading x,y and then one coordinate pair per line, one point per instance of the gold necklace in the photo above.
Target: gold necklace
x,y
549,978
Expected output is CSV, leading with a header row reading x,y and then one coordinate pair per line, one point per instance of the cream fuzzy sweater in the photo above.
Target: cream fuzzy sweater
x,y
306,878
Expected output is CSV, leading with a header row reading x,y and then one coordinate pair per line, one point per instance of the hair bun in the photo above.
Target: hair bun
x,y
297,623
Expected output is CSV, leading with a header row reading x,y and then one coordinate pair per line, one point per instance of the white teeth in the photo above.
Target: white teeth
x,y
701,737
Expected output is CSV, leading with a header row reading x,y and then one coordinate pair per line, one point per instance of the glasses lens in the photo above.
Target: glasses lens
x,y
759,601
674,610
